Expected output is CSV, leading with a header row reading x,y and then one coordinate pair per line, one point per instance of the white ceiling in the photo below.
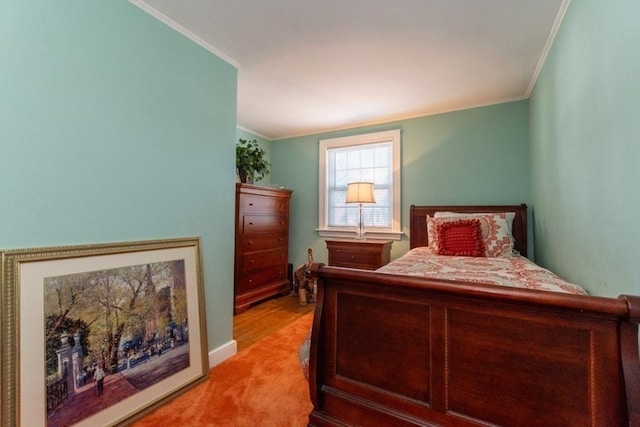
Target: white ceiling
x,y
307,66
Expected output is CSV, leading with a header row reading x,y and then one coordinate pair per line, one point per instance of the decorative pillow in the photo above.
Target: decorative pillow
x,y
496,233
509,216
462,237
431,234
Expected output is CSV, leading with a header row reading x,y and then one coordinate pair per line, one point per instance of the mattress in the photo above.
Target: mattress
x,y
516,271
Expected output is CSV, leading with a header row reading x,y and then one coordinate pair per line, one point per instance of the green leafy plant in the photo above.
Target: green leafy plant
x,y
250,161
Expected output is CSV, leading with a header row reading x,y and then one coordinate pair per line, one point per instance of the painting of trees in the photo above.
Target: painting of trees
x,y
100,332
135,303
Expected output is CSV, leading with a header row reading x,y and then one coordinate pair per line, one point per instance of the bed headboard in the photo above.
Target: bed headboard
x,y
418,222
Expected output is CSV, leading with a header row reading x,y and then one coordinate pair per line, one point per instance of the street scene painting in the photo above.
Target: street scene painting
x,y
107,332
111,333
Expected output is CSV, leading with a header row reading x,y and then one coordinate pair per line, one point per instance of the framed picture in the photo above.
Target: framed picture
x,y
100,334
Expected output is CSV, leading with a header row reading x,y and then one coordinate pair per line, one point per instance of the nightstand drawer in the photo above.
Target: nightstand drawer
x,y
363,254
353,259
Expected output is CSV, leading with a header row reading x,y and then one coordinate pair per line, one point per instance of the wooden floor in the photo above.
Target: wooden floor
x,y
265,318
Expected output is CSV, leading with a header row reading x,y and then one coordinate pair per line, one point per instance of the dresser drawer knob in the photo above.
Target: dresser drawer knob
x,y
251,242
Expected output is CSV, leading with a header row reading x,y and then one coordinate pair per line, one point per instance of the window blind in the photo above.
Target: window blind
x,y
366,162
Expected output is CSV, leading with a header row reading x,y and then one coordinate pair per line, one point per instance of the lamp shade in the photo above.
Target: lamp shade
x,y
360,192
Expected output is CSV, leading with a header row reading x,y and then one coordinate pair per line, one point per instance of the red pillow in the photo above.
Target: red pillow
x,y
460,238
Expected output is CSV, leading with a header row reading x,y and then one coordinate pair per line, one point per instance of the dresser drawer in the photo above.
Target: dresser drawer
x,y
250,281
264,223
258,204
256,260
261,242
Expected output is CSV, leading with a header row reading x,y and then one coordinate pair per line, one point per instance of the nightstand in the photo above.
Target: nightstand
x,y
363,254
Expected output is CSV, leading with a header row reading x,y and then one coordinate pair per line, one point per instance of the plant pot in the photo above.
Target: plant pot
x,y
244,178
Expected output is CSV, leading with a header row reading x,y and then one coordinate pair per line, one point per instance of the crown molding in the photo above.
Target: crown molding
x,y
242,128
182,30
547,47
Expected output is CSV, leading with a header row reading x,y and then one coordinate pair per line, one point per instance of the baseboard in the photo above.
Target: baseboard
x,y
222,353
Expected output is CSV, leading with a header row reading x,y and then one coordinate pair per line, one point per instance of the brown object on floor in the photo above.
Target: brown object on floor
x,y
262,244
303,283
260,386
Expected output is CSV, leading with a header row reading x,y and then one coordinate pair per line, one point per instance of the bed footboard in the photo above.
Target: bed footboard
x,y
393,350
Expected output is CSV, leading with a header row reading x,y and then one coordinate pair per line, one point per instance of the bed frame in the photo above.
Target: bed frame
x,y
389,350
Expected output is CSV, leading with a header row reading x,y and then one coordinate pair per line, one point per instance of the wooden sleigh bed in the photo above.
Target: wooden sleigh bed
x,y
391,350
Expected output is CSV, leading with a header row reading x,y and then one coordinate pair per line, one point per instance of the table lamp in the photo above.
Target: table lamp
x,y
360,192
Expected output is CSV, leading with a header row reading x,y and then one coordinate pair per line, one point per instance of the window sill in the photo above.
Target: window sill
x,y
349,234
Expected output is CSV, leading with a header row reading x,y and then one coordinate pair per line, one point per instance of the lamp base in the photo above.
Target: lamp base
x,y
360,231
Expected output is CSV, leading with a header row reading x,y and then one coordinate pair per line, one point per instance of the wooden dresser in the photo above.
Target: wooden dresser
x,y
262,244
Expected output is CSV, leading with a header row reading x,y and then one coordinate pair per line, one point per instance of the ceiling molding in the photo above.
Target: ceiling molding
x,y
548,45
392,120
185,32
258,134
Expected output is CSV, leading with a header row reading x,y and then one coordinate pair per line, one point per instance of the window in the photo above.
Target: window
x,y
373,157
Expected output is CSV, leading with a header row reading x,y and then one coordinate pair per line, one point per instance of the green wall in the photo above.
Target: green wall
x,y
115,128
585,148
474,156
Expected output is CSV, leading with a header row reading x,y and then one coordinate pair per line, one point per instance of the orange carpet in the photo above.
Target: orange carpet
x,y
260,386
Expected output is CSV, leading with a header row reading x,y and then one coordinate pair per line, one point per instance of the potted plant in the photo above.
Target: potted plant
x,y
250,161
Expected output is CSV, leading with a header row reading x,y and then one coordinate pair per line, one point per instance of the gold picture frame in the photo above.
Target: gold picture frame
x,y
134,309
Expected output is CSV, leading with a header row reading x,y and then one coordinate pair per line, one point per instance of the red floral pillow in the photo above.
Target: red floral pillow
x,y
462,237
496,230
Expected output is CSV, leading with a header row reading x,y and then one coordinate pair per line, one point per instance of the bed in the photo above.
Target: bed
x,y
409,350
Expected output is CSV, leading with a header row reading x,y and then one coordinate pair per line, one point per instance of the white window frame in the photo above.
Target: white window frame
x,y
392,233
